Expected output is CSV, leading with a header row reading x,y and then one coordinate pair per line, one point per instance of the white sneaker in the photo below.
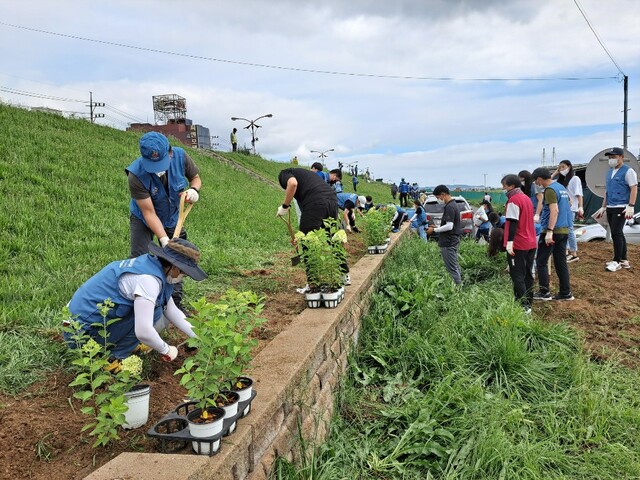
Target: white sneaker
x,y
347,279
610,262
614,267
304,289
625,264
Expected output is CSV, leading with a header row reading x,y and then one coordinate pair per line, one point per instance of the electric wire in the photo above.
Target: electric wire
x,y
26,93
297,69
122,113
584,15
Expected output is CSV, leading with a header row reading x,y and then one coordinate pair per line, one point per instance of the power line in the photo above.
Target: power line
x,y
122,113
26,93
296,69
584,15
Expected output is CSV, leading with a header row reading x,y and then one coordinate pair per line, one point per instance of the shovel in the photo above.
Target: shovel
x,y
295,260
182,215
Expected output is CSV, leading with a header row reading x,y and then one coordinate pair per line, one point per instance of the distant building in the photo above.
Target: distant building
x,y
195,136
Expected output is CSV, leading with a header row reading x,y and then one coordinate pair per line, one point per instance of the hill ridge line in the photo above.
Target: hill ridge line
x,y
238,166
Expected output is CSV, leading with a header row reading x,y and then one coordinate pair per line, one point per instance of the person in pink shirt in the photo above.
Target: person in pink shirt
x,y
519,240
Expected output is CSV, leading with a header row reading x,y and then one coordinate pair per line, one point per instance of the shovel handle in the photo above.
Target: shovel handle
x,y
289,227
182,215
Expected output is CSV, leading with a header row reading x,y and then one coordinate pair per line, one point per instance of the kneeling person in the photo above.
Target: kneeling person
x,y
141,289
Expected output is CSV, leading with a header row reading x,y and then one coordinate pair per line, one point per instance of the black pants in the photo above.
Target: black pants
x,y
398,219
559,252
615,217
521,272
403,200
140,237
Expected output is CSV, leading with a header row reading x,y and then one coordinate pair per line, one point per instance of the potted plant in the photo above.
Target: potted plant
x,y
376,230
313,251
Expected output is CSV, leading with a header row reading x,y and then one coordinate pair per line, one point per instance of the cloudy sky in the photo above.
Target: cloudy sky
x,y
437,91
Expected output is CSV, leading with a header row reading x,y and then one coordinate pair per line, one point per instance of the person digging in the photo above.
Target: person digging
x,y
141,290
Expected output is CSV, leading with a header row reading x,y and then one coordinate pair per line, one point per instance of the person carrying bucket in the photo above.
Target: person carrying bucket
x,y
140,289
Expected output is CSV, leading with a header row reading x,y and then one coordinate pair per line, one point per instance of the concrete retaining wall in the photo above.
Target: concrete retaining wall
x,y
295,376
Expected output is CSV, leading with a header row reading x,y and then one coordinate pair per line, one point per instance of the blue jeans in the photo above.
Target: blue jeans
x,y
572,244
420,229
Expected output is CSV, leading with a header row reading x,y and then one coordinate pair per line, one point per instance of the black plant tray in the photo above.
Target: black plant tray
x,y
172,431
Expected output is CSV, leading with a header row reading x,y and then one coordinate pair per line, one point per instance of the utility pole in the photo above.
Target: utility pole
x,y
553,156
543,156
485,181
92,106
626,105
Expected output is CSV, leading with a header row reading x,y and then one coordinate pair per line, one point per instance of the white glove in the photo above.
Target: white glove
x,y
536,218
580,212
282,211
192,195
628,212
548,238
600,212
510,248
348,229
164,241
171,355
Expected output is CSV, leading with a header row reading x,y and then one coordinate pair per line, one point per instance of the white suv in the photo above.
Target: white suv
x,y
434,210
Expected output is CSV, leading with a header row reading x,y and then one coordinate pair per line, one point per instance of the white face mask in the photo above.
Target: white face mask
x,y
564,171
613,162
160,174
440,201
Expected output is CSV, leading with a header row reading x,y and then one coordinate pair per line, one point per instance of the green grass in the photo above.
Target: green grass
x,y
66,215
452,384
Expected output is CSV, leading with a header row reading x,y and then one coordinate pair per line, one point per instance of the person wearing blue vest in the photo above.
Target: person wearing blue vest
x,y
403,188
140,289
156,180
619,205
555,220
399,217
418,221
318,168
348,202
335,180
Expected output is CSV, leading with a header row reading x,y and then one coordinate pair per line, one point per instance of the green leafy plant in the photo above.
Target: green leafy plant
x,y
376,227
101,393
223,340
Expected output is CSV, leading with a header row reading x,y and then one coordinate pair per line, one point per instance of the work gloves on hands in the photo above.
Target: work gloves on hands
x,y
628,212
548,238
510,248
163,241
600,212
171,355
536,218
282,211
192,195
348,229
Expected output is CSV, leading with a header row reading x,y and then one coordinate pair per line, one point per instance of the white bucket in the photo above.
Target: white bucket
x,y
138,403
204,430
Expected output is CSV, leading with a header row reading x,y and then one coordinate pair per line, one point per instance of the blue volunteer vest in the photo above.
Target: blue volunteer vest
x,y
323,175
618,192
404,187
564,208
343,197
167,206
104,284
421,219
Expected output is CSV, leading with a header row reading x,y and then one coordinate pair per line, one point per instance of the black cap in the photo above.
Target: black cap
x,y
614,151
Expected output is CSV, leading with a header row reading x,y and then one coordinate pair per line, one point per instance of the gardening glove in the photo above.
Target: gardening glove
x,y
536,218
628,212
510,248
348,229
548,238
282,211
600,212
171,355
192,195
115,365
164,241
580,212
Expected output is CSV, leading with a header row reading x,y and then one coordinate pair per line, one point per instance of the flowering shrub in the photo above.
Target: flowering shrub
x,y
101,393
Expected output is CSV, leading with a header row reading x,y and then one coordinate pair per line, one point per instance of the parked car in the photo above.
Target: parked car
x,y
434,211
596,232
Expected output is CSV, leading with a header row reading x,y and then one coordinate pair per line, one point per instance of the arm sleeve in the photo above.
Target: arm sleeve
x,y
143,318
444,228
136,188
178,318
631,177
513,225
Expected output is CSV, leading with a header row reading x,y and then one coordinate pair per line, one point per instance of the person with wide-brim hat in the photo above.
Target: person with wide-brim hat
x,y
141,290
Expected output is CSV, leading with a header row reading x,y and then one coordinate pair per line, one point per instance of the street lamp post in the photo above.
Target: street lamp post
x,y
253,125
322,154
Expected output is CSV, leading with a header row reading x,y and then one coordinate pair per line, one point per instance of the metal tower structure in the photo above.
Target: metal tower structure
x,y
170,108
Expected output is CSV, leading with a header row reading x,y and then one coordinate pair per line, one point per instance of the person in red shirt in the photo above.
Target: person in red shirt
x,y
519,240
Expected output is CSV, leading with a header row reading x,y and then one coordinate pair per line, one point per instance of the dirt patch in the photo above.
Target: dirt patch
x,y
41,434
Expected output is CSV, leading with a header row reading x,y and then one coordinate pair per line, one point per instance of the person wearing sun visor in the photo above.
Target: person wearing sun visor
x,y
140,289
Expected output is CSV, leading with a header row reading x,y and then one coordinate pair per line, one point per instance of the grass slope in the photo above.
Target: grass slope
x,y
65,216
